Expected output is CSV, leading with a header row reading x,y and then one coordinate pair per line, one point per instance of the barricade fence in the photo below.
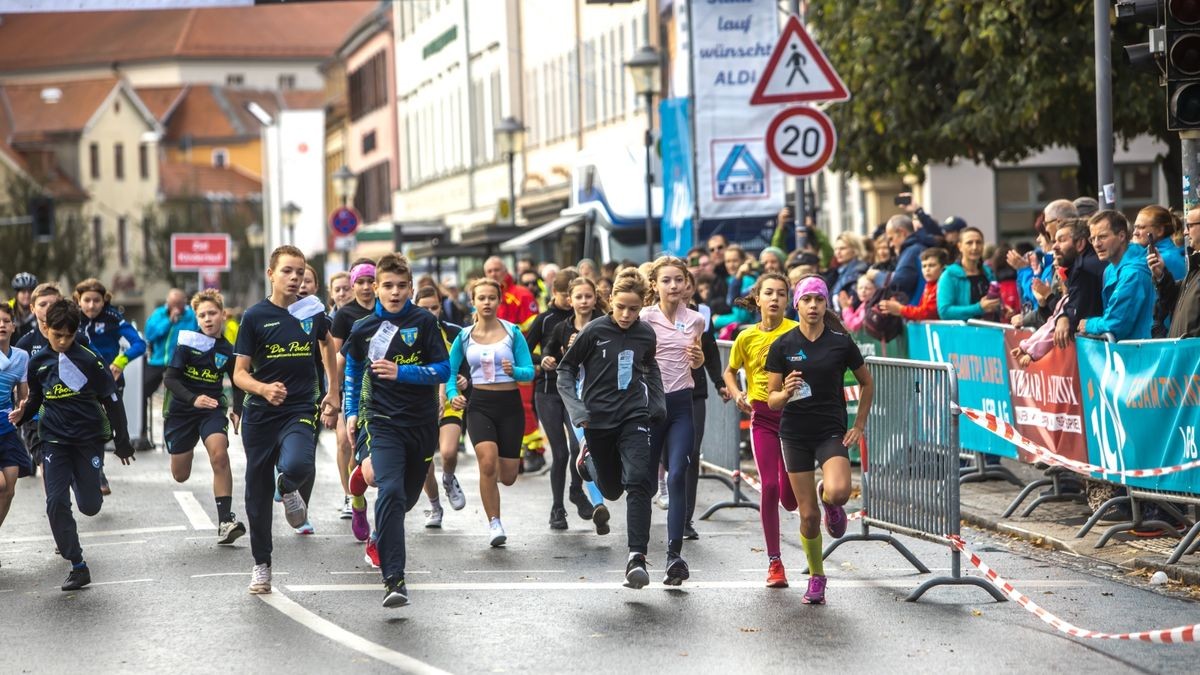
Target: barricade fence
x,y
721,447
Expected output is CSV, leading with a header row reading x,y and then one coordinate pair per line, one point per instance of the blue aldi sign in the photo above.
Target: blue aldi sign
x,y
741,175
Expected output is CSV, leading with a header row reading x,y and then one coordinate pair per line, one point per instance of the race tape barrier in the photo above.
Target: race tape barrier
x,y
1010,433
1162,636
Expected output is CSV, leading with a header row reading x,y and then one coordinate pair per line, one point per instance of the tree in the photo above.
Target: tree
x,y
72,248
984,80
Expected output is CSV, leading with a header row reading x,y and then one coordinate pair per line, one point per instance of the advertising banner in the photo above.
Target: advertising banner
x,y
678,202
1141,401
731,43
1046,403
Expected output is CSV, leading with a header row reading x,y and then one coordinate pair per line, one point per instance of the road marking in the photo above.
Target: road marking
x,y
234,574
117,543
195,513
102,533
126,581
376,572
328,629
605,585
517,571
7,590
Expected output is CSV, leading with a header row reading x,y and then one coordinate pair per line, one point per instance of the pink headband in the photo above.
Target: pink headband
x,y
811,286
360,271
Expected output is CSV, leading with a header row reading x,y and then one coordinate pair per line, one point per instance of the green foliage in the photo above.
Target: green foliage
x,y
71,250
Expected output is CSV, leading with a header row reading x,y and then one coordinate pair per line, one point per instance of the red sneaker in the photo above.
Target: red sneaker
x,y
776,578
372,556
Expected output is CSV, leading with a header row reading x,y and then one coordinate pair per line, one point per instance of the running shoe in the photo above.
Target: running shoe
x,y
371,554
433,518
345,511
105,489
306,528
582,465
664,497
229,531
677,571
260,579
835,516
581,503
395,593
496,531
558,518
689,532
776,578
600,518
816,591
636,575
454,491
358,482
77,578
294,508
535,463
359,525
278,496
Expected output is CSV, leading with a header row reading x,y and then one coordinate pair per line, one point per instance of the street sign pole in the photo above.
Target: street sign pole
x,y
799,209
1104,123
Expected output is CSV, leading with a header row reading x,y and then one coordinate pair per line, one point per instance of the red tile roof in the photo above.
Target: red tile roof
x,y
210,112
301,30
33,116
180,180
160,101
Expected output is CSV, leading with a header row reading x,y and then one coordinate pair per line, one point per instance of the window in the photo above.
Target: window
x,y
374,196
123,241
368,86
119,160
497,112
235,80
98,241
1021,194
478,126
144,161
368,143
220,157
94,160
589,83
287,82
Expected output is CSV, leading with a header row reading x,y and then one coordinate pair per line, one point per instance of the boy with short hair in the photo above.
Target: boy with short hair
x,y
933,263
76,399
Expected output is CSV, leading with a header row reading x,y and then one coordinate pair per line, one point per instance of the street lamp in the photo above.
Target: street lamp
x,y
644,69
290,212
510,139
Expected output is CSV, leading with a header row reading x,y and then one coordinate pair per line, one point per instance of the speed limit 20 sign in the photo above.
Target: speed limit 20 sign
x,y
801,140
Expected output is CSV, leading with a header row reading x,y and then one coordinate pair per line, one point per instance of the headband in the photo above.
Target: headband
x,y
811,286
360,271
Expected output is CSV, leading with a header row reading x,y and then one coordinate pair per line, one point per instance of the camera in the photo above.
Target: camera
x,y
902,200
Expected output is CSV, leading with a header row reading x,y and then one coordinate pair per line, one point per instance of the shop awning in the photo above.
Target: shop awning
x,y
540,232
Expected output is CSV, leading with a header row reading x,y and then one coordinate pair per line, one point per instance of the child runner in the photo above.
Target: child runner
x,y
622,396
21,303
76,398
277,368
806,369
362,283
499,358
677,331
749,353
450,427
395,360
195,406
583,494
14,364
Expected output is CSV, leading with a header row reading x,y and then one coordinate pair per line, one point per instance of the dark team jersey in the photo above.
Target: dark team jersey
x,y
536,337
283,349
34,342
621,379
69,404
418,349
823,365
201,372
344,318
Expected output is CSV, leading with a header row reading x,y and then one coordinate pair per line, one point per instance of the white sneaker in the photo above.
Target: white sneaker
x,y
228,532
497,532
260,579
345,511
433,518
294,509
664,500
454,491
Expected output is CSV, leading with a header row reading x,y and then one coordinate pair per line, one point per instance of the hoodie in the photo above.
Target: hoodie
x,y
954,294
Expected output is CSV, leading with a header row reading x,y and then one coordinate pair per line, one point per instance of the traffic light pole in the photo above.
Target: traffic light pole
x,y
1104,124
1190,141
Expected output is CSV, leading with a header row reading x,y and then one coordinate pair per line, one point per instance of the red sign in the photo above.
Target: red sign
x,y
800,140
199,252
1047,407
798,71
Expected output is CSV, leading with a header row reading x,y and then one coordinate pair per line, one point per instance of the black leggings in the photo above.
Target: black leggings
x,y
693,470
564,447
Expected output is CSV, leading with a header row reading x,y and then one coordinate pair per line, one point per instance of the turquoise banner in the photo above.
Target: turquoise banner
x,y
977,353
1141,404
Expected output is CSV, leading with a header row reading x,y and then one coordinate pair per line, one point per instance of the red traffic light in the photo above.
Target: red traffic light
x,y
1184,11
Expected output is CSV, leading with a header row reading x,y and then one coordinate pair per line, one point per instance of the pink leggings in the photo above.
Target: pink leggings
x,y
768,457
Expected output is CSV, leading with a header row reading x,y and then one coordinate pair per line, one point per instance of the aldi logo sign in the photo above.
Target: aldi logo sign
x,y
741,169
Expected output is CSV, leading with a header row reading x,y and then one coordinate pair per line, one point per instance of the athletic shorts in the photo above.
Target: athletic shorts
x,y
182,432
496,417
384,436
451,416
13,453
800,456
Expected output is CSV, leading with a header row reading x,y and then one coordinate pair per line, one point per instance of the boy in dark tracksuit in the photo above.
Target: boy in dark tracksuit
x,y
75,397
622,397
395,360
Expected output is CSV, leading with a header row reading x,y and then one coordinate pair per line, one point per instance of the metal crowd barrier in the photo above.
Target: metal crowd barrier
x,y
910,478
979,469
720,451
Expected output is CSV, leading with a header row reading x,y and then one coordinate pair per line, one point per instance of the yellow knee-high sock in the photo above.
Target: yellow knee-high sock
x,y
812,551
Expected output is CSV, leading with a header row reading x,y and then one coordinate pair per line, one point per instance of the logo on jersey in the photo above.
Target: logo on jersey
x,y
220,360
409,336
307,325
798,356
95,462
99,328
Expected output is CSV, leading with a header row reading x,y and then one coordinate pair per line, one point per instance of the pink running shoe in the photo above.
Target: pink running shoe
x,y
359,524
835,516
816,590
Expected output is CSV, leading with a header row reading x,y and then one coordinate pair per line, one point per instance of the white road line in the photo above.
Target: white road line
x,y
328,629
126,581
376,572
117,543
605,586
517,571
102,533
234,574
195,513
7,590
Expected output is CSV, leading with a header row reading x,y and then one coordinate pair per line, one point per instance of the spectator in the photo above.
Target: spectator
x,y
1035,265
964,288
739,280
1006,276
951,231
719,299
1128,292
854,309
907,276
1073,254
587,268
517,306
1155,228
1186,314
548,271
772,259
851,259
533,283
162,334
933,263
1085,207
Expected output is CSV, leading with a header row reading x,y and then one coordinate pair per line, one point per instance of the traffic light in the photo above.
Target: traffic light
x,y
1183,64
1145,56
41,212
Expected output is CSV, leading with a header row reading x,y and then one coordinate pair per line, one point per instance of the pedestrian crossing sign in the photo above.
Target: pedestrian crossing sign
x,y
798,71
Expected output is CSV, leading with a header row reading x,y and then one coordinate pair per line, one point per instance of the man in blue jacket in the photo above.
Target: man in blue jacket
x,y
907,278
1128,288
162,334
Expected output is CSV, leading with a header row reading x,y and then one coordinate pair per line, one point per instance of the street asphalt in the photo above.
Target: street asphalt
x,y
166,598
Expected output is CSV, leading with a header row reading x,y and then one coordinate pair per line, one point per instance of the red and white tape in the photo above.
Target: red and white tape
x,y
1161,636
1011,434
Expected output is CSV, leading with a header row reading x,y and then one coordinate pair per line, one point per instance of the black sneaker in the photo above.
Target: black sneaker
x,y
558,518
583,464
677,571
77,579
600,518
690,533
395,593
582,503
636,575
535,463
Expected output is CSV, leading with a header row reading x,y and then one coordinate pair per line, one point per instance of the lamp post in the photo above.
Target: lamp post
x,y
345,184
290,212
644,68
510,139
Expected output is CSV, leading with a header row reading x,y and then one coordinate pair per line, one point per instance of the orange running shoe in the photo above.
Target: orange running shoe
x,y
775,575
